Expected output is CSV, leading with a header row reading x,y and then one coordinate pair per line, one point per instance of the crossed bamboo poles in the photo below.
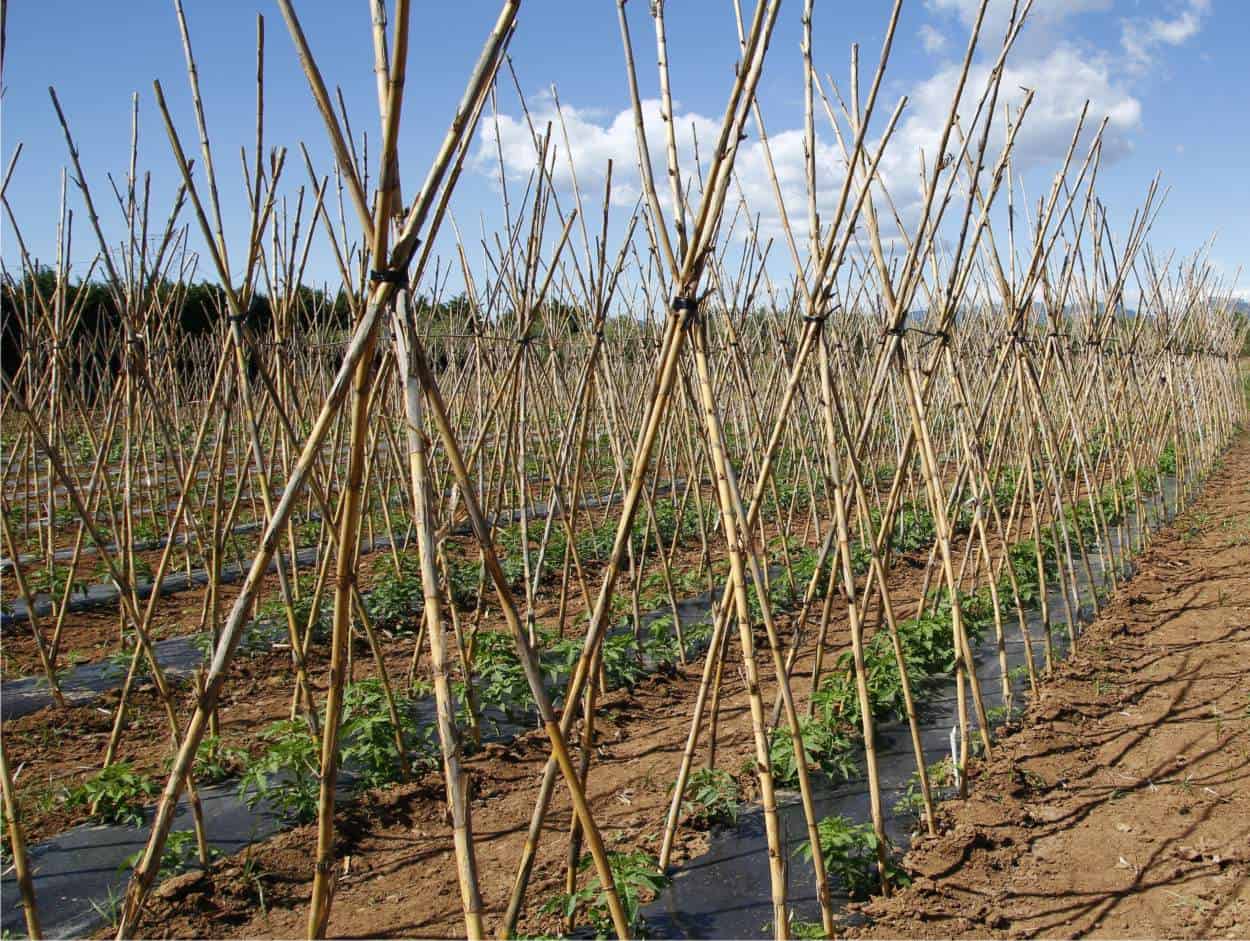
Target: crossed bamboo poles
x,y
693,422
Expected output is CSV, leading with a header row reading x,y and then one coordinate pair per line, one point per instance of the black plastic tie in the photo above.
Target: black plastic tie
x,y
932,334
389,276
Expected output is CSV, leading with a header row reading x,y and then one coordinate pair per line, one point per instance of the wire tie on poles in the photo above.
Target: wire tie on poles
x,y
394,276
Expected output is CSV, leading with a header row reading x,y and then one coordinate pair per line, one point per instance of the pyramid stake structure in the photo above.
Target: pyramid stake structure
x,y
906,439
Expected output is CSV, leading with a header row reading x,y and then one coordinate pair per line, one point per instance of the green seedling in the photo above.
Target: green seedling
x,y
711,797
114,795
850,854
286,774
636,875
179,855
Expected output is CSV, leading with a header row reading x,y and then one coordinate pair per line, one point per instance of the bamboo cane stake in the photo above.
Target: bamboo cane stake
x,y
17,845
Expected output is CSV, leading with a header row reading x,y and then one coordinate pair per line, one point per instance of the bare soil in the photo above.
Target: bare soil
x,y
1121,807
397,876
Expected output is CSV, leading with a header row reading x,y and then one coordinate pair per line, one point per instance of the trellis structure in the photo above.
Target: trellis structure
x,y
978,398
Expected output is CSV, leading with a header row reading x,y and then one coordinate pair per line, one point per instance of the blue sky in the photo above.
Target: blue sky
x,y
1172,74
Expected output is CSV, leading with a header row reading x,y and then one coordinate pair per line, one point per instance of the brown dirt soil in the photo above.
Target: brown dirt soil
x,y
397,875
400,839
57,749
1121,807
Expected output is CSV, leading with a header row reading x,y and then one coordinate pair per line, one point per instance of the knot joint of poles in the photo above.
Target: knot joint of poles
x,y
395,276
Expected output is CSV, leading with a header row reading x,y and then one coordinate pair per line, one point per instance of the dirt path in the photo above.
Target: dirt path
x,y
1122,807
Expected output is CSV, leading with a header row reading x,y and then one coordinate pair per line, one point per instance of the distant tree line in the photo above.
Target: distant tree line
x,y
200,309
1241,311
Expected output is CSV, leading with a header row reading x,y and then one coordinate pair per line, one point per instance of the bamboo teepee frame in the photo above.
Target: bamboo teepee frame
x,y
621,410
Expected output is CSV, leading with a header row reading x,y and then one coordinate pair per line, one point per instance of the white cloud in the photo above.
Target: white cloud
x,y
932,39
594,139
1045,13
1062,82
1141,37
1062,74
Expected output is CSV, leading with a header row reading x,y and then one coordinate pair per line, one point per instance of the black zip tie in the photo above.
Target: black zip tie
x,y
685,303
237,318
893,332
932,334
815,318
688,304
389,276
